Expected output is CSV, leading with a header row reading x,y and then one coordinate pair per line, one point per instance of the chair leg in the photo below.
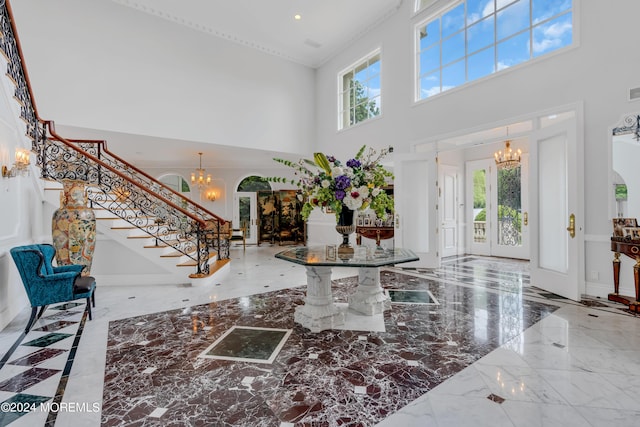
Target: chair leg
x,y
42,309
93,298
89,306
32,319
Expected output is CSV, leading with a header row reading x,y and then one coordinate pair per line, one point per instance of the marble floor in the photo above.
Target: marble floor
x,y
470,343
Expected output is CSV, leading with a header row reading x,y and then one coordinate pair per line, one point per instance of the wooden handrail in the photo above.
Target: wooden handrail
x,y
24,66
52,131
141,172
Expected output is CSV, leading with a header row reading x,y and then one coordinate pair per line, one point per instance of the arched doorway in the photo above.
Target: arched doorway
x,y
245,211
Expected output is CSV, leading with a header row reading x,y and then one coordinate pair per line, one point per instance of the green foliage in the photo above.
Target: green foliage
x,y
253,183
503,211
361,106
479,189
327,182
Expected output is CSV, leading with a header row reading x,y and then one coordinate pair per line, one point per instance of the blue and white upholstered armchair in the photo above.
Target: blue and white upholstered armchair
x,y
46,284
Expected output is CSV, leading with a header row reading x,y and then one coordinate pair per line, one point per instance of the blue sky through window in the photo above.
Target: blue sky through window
x,y
477,38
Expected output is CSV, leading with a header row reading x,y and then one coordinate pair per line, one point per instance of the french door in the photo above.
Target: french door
x,y
498,209
245,214
557,215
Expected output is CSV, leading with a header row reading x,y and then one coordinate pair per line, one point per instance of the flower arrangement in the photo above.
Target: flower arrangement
x,y
357,184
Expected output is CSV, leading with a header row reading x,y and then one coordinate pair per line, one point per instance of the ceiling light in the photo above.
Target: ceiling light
x,y
198,177
297,17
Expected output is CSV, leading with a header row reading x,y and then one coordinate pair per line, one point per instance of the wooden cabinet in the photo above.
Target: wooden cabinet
x,y
630,248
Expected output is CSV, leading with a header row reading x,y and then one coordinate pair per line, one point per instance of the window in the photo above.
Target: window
x,y
476,38
253,183
176,183
359,91
422,4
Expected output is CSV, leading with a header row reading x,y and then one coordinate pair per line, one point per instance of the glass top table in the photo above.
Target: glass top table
x,y
327,256
319,311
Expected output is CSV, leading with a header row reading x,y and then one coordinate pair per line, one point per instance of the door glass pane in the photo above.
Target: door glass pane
x,y
244,203
509,207
479,206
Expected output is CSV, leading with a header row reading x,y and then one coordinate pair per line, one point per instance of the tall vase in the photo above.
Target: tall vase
x,y
345,227
73,227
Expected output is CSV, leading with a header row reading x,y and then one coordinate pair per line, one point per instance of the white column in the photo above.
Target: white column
x,y
319,311
369,298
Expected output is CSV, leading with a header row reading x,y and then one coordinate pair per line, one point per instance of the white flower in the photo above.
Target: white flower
x,y
336,171
375,192
325,183
352,203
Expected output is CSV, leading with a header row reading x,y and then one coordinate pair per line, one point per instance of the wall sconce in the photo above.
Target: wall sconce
x,y
210,195
20,165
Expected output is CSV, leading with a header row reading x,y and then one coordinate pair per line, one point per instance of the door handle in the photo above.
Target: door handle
x,y
572,226
526,218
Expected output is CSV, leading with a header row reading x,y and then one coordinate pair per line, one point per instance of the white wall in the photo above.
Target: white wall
x,y
97,64
598,73
21,205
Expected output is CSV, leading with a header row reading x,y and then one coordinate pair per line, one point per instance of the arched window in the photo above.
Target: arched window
x,y
253,183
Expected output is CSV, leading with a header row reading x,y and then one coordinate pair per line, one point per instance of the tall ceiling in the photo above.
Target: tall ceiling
x,y
269,25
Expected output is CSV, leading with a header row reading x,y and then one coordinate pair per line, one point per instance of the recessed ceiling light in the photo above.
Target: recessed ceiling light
x,y
297,17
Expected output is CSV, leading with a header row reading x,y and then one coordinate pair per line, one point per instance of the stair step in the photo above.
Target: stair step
x,y
192,263
212,268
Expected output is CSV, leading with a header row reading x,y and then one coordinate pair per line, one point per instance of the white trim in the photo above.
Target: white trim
x,y
340,89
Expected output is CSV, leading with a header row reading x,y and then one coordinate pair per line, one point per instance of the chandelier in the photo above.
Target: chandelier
x,y
199,178
508,159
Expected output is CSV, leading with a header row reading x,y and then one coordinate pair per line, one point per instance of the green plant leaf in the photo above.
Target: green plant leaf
x,y
322,162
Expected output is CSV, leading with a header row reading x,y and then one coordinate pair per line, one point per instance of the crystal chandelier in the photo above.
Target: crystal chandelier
x,y
199,177
508,159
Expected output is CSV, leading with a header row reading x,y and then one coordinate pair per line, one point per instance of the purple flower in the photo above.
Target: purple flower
x,y
331,159
342,182
354,163
340,194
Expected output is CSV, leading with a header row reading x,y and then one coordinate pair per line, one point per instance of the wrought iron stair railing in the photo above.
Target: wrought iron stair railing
x,y
113,183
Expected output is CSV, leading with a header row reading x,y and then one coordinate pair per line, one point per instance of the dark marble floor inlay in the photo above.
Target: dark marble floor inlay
x,y
37,357
26,379
495,398
411,297
248,344
47,340
329,378
55,326
551,296
31,400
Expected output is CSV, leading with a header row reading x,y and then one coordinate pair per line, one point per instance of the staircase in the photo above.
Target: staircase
x,y
132,205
